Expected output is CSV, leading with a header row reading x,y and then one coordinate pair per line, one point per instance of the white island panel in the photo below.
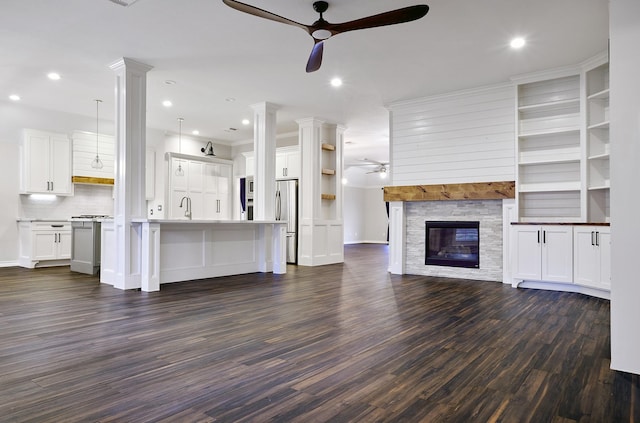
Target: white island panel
x,y
181,250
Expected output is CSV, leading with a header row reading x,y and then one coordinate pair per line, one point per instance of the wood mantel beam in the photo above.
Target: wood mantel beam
x,y
442,192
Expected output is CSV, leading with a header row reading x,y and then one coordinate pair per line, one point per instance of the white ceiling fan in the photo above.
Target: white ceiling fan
x,y
381,168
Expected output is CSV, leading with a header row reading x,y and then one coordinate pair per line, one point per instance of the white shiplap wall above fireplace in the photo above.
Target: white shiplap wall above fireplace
x,y
466,136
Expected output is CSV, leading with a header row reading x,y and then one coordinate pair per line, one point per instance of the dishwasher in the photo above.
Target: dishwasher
x,y
85,244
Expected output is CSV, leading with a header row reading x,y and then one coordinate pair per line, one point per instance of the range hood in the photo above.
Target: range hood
x,y
84,151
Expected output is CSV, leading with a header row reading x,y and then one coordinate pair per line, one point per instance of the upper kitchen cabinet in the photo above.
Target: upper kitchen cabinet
x,y
287,162
45,163
202,184
85,148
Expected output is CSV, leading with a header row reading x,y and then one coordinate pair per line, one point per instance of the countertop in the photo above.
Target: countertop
x,y
207,221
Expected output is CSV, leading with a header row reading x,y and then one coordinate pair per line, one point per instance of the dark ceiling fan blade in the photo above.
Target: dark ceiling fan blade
x,y
406,14
315,59
252,10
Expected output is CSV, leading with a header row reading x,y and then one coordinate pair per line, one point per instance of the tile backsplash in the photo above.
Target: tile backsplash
x,y
87,199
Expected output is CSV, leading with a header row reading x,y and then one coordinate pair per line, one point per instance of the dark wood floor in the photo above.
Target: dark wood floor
x,y
336,343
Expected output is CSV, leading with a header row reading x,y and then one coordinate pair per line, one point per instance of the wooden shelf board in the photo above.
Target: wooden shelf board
x,y
471,191
328,147
328,172
91,180
328,196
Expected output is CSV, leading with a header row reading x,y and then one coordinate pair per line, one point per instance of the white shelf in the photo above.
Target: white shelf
x,y
552,105
550,187
555,131
606,185
600,95
532,162
546,219
599,125
603,156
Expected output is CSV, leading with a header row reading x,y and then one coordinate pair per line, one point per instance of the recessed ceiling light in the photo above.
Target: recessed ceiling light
x,y
14,97
195,132
230,99
53,76
170,82
336,82
517,42
167,103
344,181
246,121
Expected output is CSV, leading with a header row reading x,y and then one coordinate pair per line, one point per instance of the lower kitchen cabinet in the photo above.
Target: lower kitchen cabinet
x,y
543,252
44,243
570,257
592,256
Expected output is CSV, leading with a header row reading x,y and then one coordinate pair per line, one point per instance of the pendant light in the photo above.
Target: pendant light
x,y
97,163
180,170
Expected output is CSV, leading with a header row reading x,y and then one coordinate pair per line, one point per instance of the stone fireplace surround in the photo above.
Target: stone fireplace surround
x,y
489,203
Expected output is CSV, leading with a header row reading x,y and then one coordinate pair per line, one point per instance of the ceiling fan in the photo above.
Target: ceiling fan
x,y
380,167
322,30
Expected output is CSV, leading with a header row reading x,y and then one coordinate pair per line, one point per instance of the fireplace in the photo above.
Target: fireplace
x,y
452,243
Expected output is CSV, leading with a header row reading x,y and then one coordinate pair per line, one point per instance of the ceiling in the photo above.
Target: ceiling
x,y
223,61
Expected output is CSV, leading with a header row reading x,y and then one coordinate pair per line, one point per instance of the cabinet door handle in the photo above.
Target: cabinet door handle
x,y
544,237
597,239
592,236
51,185
57,226
538,237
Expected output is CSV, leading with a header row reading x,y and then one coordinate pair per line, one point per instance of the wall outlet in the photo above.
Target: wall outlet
x,y
151,212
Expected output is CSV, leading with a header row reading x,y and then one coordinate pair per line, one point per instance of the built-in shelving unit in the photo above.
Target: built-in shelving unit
x,y
597,142
562,144
328,183
549,149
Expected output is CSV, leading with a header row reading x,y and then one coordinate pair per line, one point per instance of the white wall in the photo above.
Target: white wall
x,y
625,174
466,136
365,215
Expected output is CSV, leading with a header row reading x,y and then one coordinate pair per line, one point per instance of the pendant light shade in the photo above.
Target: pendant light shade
x,y
97,163
180,170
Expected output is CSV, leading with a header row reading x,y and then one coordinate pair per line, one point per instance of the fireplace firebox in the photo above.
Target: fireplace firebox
x,y
451,243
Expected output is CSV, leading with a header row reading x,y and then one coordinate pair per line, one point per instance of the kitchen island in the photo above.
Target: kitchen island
x,y
180,250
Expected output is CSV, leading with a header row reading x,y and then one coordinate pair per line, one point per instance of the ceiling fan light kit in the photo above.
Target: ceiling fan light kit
x,y
322,30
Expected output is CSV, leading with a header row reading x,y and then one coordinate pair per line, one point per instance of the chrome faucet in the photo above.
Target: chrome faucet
x,y
187,212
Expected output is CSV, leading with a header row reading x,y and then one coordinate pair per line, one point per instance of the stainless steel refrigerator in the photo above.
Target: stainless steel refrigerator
x,y
287,209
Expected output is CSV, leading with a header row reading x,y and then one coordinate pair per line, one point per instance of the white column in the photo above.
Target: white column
x,y
264,148
130,120
625,153
397,238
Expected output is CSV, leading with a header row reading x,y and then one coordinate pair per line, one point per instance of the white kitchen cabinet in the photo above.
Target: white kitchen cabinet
x,y
46,163
592,256
287,163
543,252
216,195
205,183
44,243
